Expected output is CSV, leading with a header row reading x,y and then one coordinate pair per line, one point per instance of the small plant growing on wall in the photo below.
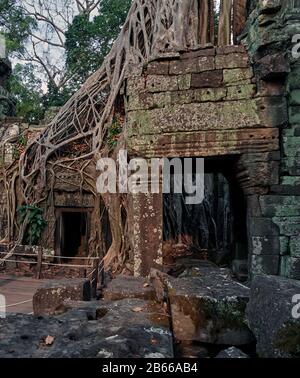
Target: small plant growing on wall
x,y
114,131
35,223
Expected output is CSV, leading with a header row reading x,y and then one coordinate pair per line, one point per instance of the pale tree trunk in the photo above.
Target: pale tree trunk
x,y
224,34
239,18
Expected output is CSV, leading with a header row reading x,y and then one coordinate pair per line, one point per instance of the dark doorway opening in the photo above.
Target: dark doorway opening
x,y
214,230
73,227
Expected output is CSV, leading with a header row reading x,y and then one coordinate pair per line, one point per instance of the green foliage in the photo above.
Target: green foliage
x,y
89,41
56,96
14,25
113,133
35,223
27,90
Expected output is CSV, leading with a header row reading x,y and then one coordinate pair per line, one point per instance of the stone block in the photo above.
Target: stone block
x,y
128,287
273,111
295,268
192,117
240,92
49,297
294,115
180,67
280,206
233,60
209,308
270,88
224,50
135,85
284,245
232,352
272,67
128,328
270,316
295,246
158,68
208,79
294,97
253,206
265,245
198,95
237,76
264,264
288,226
184,82
198,53
158,83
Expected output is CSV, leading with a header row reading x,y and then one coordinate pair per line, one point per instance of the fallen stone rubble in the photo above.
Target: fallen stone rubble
x,y
204,314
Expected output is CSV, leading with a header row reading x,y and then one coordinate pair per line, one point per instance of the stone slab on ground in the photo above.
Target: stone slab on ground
x,y
126,328
232,353
51,295
270,315
209,308
128,287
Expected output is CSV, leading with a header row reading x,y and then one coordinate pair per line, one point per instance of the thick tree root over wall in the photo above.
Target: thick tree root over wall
x,y
77,137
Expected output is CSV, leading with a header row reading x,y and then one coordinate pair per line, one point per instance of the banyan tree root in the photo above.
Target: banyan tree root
x,y
151,28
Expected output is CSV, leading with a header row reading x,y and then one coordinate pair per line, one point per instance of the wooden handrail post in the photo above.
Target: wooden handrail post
x,y
94,278
39,263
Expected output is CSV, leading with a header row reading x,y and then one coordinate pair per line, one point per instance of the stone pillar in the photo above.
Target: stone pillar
x,y
146,226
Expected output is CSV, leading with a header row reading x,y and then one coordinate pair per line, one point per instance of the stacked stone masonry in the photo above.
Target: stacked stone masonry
x,y
225,102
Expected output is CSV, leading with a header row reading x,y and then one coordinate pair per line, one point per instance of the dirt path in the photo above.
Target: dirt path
x,y
18,292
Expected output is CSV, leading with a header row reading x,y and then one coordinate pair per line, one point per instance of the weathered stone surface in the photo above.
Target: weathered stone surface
x,y
209,308
265,245
198,53
272,67
288,226
50,296
265,264
209,79
237,76
224,50
135,84
280,206
158,68
128,287
158,83
273,111
232,353
189,350
295,246
198,95
179,67
263,227
240,92
210,143
202,116
290,267
234,60
184,82
129,328
270,88
269,313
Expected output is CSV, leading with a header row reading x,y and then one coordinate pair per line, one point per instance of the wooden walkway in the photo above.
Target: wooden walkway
x,y
18,292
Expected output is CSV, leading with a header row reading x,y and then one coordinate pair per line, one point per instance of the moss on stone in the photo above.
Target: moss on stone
x,y
288,339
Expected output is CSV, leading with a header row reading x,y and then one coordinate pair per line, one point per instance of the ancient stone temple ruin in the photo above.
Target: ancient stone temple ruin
x,y
234,104
226,91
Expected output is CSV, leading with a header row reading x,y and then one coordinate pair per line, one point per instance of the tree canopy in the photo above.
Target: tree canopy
x,y
55,45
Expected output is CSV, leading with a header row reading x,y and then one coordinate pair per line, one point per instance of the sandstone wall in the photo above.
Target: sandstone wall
x,y
227,102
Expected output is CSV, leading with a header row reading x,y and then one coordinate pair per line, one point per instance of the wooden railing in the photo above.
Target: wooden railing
x,y
90,269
